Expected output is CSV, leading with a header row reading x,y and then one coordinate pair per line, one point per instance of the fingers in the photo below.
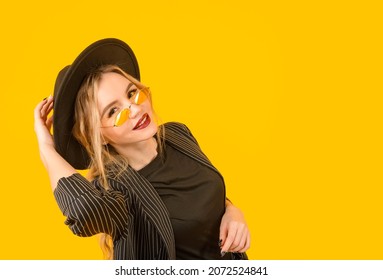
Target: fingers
x,y
242,241
43,123
247,245
231,235
47,107
234,232
43,106
48,123
222,235
38,108
237,239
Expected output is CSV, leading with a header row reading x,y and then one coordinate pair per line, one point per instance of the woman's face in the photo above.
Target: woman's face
x,y
113,94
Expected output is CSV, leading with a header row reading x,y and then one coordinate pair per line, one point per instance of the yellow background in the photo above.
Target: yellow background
x,y
284,96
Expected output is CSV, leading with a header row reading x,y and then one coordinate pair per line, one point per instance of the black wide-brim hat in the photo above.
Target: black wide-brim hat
x,y
69,80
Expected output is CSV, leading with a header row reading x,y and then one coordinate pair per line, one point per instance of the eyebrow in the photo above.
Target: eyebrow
x,y
115,101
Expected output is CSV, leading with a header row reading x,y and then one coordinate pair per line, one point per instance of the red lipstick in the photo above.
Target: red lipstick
x,y
143,122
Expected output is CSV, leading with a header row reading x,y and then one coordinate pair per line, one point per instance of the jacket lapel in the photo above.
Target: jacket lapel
x,y
152,204
154,208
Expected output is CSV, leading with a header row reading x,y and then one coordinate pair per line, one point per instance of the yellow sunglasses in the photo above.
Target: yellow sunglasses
x,y
137,98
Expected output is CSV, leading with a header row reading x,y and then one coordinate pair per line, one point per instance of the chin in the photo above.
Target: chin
x,y
148,132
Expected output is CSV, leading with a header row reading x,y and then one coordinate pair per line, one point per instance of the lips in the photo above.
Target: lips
x,y
143,122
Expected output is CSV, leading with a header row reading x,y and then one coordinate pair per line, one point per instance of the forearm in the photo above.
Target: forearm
x,y
56,166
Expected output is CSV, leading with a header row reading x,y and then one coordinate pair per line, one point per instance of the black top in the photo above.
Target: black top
x,y
195,198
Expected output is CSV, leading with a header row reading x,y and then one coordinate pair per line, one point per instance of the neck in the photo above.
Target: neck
x,y
140,154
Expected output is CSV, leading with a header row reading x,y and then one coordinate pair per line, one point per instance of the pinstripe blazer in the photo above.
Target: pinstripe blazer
x,y
131,212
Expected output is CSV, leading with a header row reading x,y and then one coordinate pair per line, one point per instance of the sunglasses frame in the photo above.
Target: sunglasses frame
x,y
134,100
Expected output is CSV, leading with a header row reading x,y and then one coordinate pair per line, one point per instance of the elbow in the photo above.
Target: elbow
x,y
78,228
87,216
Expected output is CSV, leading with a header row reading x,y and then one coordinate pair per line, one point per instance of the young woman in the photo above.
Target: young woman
x,y
151,192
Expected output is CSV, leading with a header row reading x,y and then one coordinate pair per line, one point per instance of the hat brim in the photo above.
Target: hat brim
x,y
104,52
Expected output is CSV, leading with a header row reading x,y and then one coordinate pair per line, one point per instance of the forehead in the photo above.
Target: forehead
x,y
111,86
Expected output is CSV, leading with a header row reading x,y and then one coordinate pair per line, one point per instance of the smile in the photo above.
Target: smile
x,y
143,122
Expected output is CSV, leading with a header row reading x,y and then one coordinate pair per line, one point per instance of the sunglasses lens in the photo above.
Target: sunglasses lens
x,y
139,98
122,117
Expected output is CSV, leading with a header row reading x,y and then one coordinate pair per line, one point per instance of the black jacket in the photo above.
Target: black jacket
x,y
131,212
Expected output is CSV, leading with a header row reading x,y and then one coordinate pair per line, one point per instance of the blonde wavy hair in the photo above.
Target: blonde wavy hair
x,y
87,131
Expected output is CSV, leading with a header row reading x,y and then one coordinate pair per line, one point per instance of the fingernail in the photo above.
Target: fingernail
x,y
223,254
45,99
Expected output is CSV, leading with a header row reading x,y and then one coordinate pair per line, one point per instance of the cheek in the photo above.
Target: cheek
x,y
112,135
152,114
147,107
117,133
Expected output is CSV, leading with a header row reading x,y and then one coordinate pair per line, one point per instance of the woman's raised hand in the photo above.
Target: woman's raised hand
x,y
56,166
43,123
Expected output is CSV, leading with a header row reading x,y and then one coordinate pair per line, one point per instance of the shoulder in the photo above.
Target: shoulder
x,y
173,131
176,127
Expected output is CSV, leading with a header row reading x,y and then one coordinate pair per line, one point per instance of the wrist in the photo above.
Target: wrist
x,y
47,151
46,146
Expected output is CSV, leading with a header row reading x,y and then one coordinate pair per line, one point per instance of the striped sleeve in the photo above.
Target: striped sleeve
x,y
88,208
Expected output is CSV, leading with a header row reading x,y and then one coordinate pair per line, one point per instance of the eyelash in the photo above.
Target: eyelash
x,y
131,93
112,111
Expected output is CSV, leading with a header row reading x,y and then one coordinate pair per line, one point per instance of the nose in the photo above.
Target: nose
x,y
134,110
